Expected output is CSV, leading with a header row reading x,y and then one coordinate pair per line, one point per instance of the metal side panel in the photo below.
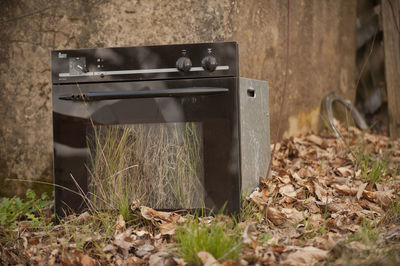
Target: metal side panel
x,y
254,132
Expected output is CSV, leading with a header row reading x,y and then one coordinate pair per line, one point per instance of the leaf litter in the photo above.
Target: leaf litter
x,y
324,203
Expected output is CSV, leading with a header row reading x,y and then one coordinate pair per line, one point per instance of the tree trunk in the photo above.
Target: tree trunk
x,y
391,38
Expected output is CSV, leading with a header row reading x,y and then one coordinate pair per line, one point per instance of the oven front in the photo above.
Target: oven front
x,y
166,144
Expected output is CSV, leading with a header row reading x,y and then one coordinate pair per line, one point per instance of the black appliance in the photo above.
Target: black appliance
x,y
154,124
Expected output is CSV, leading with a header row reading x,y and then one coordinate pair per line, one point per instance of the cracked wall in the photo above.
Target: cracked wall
x,y
321,58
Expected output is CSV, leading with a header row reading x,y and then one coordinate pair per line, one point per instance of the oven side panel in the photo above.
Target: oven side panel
x,y
254,132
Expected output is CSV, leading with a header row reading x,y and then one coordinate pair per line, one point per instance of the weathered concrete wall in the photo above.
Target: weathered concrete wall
x,y
321,57
322,54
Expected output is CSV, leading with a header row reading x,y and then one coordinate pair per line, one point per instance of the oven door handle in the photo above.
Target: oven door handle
x,y
118,95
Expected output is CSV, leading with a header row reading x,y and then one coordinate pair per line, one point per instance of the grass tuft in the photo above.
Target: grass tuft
x,y
158,165
220,239
367,234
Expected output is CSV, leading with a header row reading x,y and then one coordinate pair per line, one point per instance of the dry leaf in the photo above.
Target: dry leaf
x,y
345,171
275,216
384,197
124,241
258,198
344,189
265,193
305,256
392,234
248,237
320,192
84,217
369,195
361,190
167,228
85,260
133,260
144,250
269,258
315,139
135,205
153,215
293,215
120,225
109,248
285,179
229,263
207,259
162,259
288,190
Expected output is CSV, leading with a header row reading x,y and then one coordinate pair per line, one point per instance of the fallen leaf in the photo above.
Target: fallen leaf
x,y
305,256
344,189
133,260
109,248
124,241
135,205
144,250
167,228
392,234
229,263
384,197
269,258
320,192
258,198
120,225
207,259
153,215
288,190
34,240
85,260
293,215
84,217
162,259
248,237
315,139
275,216
361,190
345,171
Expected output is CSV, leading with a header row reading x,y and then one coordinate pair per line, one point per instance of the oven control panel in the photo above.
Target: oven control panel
x,y
145,63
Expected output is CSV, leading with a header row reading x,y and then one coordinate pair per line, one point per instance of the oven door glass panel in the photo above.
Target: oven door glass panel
x,y
206,124
156,165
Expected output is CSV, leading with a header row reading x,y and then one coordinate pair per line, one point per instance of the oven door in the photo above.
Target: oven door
x,y
168,145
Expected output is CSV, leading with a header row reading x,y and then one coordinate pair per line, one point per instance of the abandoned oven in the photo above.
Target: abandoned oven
x,y
173,127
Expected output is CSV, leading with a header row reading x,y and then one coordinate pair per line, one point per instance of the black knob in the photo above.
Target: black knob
x,y
209,63
183,64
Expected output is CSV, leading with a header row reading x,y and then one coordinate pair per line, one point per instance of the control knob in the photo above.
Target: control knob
x,y
183,64
209,63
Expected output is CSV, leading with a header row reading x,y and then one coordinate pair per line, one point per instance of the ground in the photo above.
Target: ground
x,y
328,201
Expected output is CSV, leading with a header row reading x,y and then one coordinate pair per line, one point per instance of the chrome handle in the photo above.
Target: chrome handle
x,y
117,95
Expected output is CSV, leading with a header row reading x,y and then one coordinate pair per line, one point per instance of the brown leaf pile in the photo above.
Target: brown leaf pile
x,y
318,196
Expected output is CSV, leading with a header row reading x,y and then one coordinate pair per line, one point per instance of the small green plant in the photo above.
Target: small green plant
x,y
12,209
392,214
249,210
322,230
373,168
220,239
367,234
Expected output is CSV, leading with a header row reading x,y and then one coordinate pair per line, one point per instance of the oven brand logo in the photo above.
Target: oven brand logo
x,y
60,55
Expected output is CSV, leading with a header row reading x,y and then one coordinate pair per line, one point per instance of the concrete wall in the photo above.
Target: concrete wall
x,y
322,58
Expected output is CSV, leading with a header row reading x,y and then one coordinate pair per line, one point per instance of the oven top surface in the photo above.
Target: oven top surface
x,y
201,60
